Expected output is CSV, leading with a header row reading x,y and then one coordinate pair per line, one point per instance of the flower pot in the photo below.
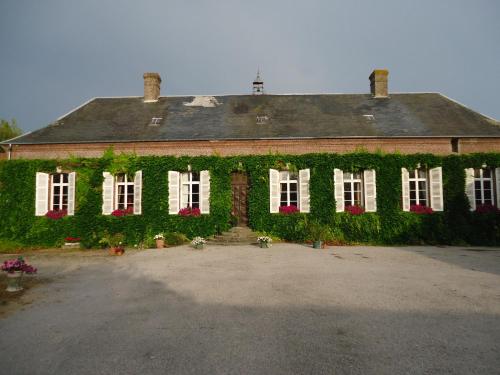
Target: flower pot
x,y
199,246
116,251
14,281
317,244
264,245
160,244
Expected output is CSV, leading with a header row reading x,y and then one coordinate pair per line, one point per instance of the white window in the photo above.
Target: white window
x,y
422,187
190,190
353,191
55,192
418,187
124,192
289,192
289,189
59,189
484,179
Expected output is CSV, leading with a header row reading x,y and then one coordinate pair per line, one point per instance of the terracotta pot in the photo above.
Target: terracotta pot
x,y
160,244
14,281
116,251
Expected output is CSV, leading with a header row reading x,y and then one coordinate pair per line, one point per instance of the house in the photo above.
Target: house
x,y
343,142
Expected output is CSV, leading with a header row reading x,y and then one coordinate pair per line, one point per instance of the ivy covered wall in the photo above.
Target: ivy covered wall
x,y
389,225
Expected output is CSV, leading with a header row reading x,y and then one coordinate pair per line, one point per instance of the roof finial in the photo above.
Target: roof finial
x,y
258,84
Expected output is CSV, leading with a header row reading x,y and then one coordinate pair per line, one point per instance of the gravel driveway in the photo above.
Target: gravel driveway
x,y
289,309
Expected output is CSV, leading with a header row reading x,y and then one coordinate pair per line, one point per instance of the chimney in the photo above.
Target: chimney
x,y
379,84
151,87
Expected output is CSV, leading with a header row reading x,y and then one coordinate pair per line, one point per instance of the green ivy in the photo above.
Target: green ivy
x,y
389,225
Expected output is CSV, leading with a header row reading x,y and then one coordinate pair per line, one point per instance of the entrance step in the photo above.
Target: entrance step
x,y
235,236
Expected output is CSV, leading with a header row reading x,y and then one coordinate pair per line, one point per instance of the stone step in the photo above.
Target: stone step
x,y
234,236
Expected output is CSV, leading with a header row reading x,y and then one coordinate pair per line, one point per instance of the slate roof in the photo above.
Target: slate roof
x,y
265,117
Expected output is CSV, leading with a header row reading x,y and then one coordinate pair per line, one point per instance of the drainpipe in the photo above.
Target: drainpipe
x,y
10,151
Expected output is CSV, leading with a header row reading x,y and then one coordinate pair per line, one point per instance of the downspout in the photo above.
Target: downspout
x,y
10,151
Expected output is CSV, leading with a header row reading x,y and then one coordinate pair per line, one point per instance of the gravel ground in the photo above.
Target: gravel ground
x,y
245,310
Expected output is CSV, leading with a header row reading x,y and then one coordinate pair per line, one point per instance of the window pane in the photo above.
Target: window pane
x,y
293,186
357,186
422,173
412,185
195,188
195,176
411,174
293,197
65,178
283,176
184,177
422,195
56,190
423,202
487,196
357,198
486,173
120,178
293,176
413,195
487,184
347,197
284,187
422,185
477,173
283,197
347,176
357,175
347,187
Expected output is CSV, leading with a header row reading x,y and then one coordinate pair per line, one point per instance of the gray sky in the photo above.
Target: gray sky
x,y
55,55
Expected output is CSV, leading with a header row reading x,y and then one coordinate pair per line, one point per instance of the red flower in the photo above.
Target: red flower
x,y
125,212
72,239
188,211
486,209
354,210
287,210
56,214
421,209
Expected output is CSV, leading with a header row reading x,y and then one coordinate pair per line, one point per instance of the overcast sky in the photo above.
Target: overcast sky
x,y
55,55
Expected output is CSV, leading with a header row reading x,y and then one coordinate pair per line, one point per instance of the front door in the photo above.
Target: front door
x,y
239,187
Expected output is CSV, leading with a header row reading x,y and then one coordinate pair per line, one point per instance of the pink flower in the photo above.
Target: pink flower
x,y
188,211
56,214
486,209
354,210
287,210
421,209
18,264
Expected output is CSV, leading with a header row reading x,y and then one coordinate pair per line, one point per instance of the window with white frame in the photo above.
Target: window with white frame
x,y
289,192
190,190
124,193
353,189
484,186
59,190
55,192
418,187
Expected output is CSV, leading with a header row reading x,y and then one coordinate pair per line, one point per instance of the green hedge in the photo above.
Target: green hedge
x,y
390,225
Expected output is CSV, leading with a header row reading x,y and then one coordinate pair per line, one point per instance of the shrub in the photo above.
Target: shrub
x,y
175,239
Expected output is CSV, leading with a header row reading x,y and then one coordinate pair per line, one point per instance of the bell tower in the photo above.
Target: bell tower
x,y
258,85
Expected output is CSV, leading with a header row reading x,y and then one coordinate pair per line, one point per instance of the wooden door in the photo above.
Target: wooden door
x,y
239,187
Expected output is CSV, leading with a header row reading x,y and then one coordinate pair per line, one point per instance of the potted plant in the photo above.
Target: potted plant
x,y
15,269
160,241
317,233
264,241
114,243
198,242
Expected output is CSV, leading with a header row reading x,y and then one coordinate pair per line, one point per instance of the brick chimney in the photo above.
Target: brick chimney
x,y
379,83
151,87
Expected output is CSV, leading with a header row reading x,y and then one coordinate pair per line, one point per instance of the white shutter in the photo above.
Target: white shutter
x,y
370,190
405,177
71,193
138,193
436,188
274,191
42,194
173,192
304,177
497,179
108,189
205,192
469,187
338,183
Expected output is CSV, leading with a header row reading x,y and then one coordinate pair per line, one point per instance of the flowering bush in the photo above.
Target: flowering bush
x,y
159,236
264,239
127,211
354,210
72,239
421,209
486,209
188,211
198,241
287,210
18,264
56,214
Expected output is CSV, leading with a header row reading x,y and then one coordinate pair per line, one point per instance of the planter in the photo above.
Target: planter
x,y
160,244
14,281
116,251
199,247
317,244
264,245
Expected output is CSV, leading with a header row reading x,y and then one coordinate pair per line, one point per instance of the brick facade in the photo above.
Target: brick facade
x,y
439,146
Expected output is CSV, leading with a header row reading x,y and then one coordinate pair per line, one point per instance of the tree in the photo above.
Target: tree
x,y
9,130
